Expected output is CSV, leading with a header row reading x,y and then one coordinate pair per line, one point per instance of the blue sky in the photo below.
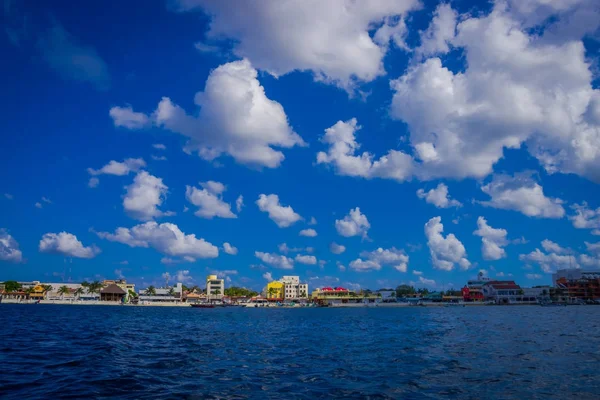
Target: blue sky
x,y
426,140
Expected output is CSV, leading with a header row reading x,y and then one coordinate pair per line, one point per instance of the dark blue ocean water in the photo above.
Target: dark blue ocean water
x,y
49,351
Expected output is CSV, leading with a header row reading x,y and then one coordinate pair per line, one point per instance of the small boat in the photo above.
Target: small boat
x,y
201,305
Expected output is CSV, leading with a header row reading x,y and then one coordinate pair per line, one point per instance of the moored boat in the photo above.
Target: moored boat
x,y
202,305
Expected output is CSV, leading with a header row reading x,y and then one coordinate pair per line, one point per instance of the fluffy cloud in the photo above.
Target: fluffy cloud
x,y
553,260
586,218
9,248
336,248
144,196
229,249
438,197
66,244
426,282
521,193
239,203
235,118
93,182
268,276
377,258
341,155
305,259
553,247
441,30
119,168
308,232
125,117
445,251
353,224
418,273
332,40
360,265
209,200
516,89
159,146
166,238
312,221
492,240
282,216
275,260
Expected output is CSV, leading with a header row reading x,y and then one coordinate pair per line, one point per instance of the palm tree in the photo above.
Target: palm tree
x,y
62,291
94,287
47,289
85,284
271,292
150,290
79,292
172,291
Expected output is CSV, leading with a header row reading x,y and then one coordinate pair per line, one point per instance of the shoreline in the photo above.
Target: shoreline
x,y
157,304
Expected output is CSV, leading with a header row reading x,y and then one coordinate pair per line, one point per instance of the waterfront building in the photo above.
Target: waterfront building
x,y
387,296
55,292
293,289
165,295
122,283
215,287
275,291
473,291
340,295
112,292
577,286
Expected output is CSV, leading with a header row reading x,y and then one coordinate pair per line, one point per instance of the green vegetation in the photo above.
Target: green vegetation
x,y
150,290
94,287
63,290
235,291
79,292
12,286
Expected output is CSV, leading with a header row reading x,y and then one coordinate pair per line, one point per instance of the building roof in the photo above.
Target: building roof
x,y
503,285
112,289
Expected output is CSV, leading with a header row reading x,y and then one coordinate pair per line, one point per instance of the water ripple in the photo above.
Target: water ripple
x,y
413,353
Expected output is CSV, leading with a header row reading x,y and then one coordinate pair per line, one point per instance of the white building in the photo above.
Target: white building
x,y
574,275
172,294
293,289
215,287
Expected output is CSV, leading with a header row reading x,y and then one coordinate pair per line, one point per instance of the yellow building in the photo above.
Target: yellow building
x,y
275,290
38,292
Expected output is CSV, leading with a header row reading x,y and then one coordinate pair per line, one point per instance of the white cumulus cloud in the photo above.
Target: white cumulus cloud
x,y
9,248
305,259
398,259
275,260
235,118
144,196
553,259
229,249
353,224
438,197
308,232
445,251
66,244
332,39
282,216
209,200
521,193
125,117
166,238
492,240
586,218
336,248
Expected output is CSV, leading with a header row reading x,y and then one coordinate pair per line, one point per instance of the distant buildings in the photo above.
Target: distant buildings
x,y
162,295
576,285
286,288
215,287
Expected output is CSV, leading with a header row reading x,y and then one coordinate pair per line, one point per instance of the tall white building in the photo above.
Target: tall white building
x,y
215,288
293,289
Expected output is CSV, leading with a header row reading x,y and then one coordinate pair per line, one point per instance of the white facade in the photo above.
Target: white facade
x,y
215,288
574,275
293,289
163,294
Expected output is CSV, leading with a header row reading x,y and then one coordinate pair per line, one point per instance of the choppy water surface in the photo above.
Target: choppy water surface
x,y
145,352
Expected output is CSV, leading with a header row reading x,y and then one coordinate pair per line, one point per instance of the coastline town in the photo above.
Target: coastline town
x,y
569,287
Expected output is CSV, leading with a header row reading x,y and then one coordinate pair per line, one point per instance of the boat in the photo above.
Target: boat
x,y
202,305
